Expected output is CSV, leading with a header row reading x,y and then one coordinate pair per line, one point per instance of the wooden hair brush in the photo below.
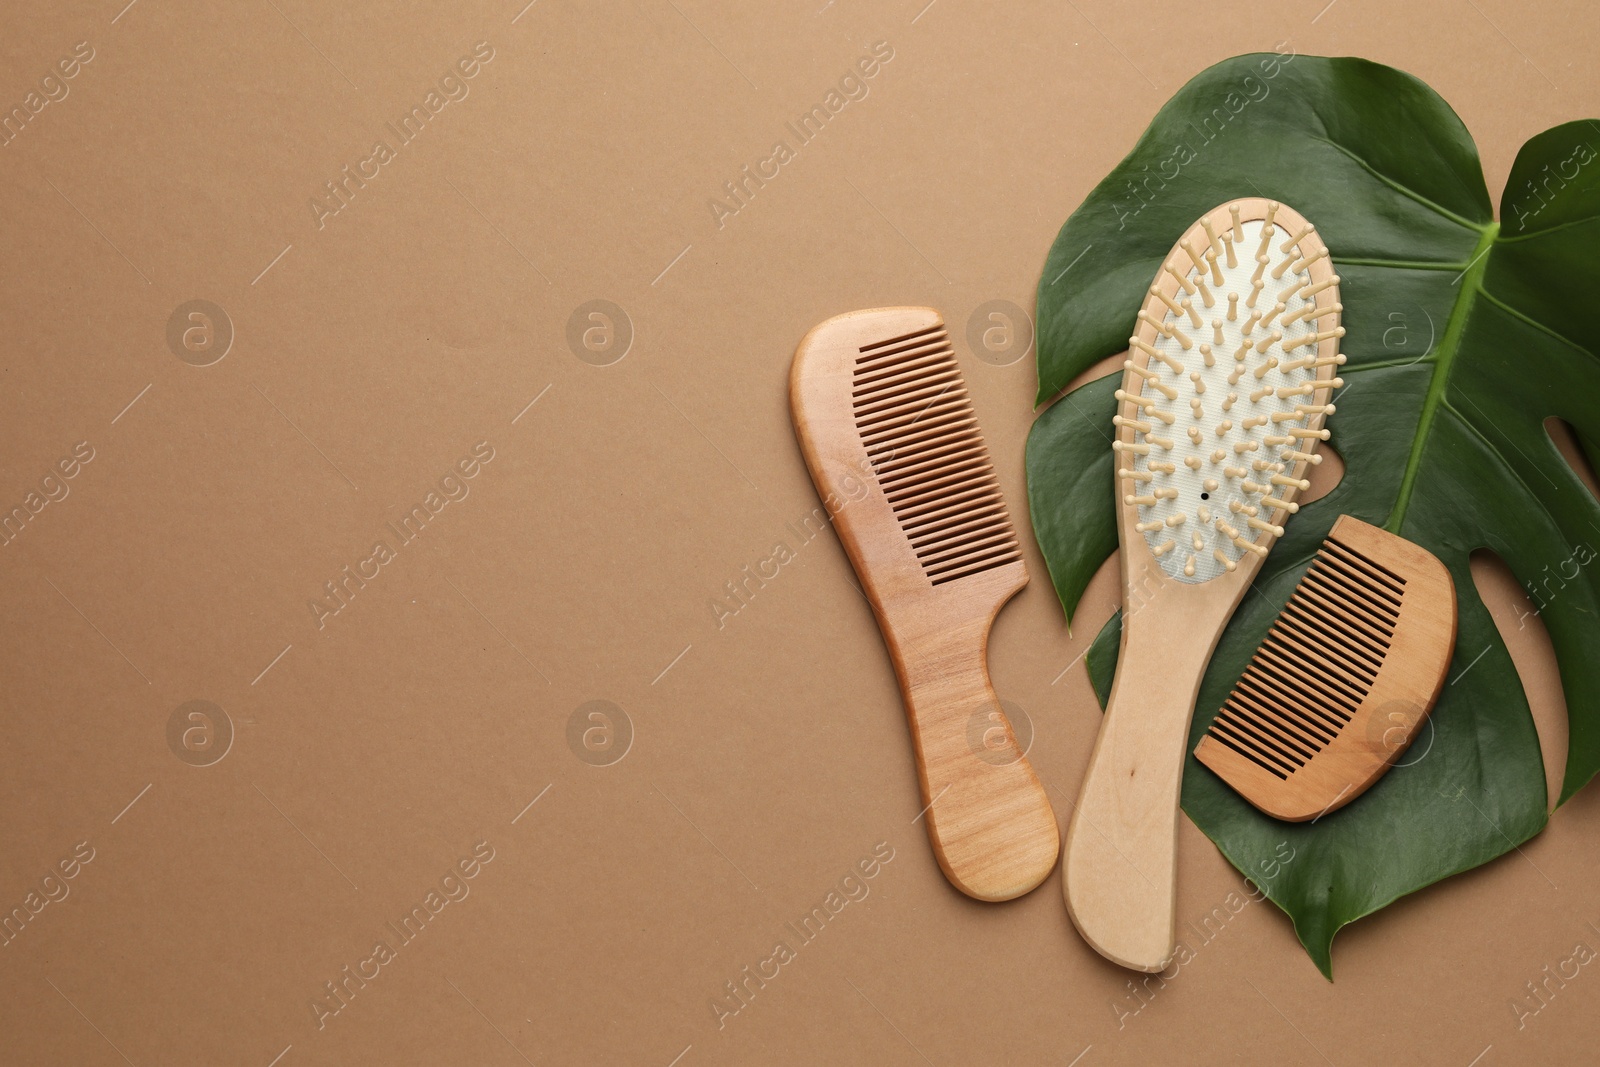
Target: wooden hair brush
x,y
1346,675
1222,402
878,396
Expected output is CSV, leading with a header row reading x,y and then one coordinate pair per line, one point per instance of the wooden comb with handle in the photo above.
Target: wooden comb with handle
x,y
1345,677
878,401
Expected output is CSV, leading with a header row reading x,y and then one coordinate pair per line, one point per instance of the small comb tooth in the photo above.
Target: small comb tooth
x,y
1199,263
1238,230
1156,291
1311,340
1223,558
1194,316
1312,290
1307,231
1306,261
1233,308
915,420
1182,279
1161,325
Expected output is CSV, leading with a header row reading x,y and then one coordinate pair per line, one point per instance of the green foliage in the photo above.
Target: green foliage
x,y
1464,334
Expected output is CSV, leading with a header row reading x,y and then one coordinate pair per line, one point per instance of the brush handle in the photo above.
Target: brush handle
x,y
1122,843
990,823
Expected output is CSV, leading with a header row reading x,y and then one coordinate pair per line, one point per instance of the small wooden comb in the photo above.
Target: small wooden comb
x,y
892,443
1346,675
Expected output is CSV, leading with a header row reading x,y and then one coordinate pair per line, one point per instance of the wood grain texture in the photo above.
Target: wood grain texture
x,y
1375,618
1121,844
937,558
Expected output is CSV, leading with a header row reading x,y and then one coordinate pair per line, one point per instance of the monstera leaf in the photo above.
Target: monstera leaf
x,y
1465,335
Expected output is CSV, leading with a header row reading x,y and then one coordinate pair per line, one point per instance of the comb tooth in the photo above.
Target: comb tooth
x,y
927,528
1265,686
935,513
1316,599
1317,579
885,382
1359,657
1262,749
1258,690
1243,717
1293,737
1331,661
873,410
928,496
900,357
1267,739
1357,588
1333,628
879,349
916,421
1379,574
1222,738
1304,681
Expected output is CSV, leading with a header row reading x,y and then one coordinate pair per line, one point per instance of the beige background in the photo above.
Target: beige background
x,y
767,756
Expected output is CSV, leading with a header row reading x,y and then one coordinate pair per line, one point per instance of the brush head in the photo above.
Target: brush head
x,y
1226,388
890,434
1340,687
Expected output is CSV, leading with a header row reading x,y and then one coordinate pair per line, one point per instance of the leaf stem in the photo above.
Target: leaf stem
x,y
1444,356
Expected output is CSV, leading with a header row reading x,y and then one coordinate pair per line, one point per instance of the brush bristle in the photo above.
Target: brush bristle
x,y
1225,393
1317,664
921,435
